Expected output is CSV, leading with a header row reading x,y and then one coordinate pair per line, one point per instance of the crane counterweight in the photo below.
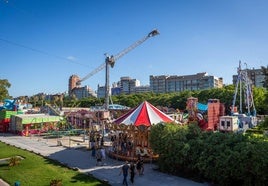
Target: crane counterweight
x,y
153,33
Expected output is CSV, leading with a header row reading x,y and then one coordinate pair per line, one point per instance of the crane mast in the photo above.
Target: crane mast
x,y
110,61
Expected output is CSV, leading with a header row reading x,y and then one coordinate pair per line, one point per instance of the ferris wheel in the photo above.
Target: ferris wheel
x,y
244,88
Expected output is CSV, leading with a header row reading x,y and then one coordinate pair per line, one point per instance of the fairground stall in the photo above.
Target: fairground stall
x,y
26,124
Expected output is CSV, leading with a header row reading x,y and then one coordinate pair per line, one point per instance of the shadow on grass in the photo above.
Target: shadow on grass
x,y
4,166
62,169
61,157
88,179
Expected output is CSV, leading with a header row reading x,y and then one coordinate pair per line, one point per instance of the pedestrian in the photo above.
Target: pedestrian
x,y
93,152
139,165
98,157
102,141
132,169
142,165
103,155
124,170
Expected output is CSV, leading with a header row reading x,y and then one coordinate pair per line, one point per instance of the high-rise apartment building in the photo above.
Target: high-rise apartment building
x,y
128,85
255,75
199,81
83,92
158,83
142,88
164,84
101,91
79,92
72,83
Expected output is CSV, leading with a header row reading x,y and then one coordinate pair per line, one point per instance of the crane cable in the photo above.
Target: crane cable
x,y
40,51
113,58
31,48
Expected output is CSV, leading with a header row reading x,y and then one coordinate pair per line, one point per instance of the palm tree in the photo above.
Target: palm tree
x,y
55,99
35,99
13,161
61,96
42,98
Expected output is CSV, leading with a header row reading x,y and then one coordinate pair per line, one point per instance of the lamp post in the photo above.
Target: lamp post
x,y
89,133
84,122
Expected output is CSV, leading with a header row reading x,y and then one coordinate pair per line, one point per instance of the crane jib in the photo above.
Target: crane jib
x,y
110,61
114,58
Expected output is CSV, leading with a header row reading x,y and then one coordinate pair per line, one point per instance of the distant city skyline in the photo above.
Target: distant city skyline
x,y
44,42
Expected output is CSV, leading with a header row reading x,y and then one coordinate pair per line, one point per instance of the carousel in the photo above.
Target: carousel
x,y
130,133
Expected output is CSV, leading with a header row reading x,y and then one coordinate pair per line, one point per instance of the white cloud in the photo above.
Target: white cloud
x,y
71,58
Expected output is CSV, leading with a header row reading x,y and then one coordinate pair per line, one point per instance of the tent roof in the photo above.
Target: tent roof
x,y
144,114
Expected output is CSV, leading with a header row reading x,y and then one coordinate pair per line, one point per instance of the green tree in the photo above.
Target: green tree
x,y
182,99
41,98
61,97
222,158
55,99
260,100
35,100
177,100
4,85
23,99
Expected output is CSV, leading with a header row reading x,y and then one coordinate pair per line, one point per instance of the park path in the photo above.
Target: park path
x,y
82,160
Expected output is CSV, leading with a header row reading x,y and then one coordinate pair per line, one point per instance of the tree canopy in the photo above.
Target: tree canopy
x,y
175,100
221,158
4,85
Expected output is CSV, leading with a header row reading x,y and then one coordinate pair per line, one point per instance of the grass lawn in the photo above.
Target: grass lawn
x,y
36,170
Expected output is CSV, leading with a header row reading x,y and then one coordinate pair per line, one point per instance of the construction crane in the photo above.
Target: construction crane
x,y
110,61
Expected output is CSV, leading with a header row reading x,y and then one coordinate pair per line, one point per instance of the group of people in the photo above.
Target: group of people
x,y
122,144
132,169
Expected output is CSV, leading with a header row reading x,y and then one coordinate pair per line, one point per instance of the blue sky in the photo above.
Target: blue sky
x,y
44,42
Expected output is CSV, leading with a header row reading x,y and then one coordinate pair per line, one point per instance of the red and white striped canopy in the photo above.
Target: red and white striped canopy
x,y
144,114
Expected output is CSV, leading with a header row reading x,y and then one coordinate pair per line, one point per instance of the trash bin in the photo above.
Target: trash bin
x,y
17,183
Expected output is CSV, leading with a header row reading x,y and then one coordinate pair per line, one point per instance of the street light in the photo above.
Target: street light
x,y
84,121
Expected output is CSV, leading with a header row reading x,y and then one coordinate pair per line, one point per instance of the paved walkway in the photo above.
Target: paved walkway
x,y
82,160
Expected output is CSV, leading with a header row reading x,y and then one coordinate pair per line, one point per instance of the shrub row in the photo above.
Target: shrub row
x,y
220,158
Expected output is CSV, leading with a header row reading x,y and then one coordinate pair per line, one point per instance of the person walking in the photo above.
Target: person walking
x,y
124,170
140,166
98,157
93,152
132,169
103,155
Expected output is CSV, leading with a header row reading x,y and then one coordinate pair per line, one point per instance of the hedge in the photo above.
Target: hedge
x,y
220,158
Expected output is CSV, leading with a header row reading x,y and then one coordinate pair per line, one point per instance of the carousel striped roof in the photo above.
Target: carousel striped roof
x,y
144,114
